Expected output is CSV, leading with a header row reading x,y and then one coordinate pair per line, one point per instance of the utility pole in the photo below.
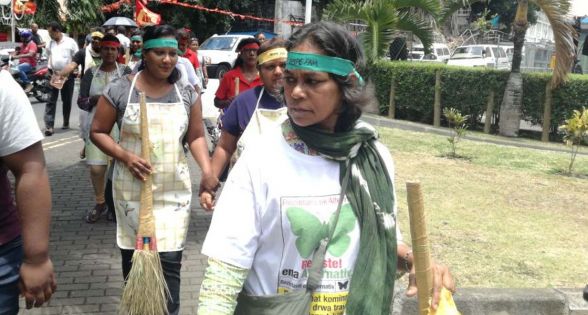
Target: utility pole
x,y
308,12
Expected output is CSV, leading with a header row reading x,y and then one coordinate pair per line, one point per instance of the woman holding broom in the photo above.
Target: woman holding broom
x,y
174,117
306,223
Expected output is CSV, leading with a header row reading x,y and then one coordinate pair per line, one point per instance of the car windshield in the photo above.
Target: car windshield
x,y
219,43
467,52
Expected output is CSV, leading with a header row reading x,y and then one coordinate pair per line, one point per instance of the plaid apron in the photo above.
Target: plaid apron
x,y
172,189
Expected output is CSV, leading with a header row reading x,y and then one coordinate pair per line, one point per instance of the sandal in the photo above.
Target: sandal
x,y
94,214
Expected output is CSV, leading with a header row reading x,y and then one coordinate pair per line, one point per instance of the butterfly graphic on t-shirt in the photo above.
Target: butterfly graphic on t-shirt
x,y
310,230
343,285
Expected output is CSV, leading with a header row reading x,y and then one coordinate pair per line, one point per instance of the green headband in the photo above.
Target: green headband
x,y
136,38
322,63
161,43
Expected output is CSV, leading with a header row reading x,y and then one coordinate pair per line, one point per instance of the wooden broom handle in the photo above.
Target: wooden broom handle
x,y
146,219
420,245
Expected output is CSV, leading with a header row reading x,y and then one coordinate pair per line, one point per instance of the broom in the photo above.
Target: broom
x,y
422,256
145,292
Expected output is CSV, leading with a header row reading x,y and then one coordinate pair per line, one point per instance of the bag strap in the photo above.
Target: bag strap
x,y
318,258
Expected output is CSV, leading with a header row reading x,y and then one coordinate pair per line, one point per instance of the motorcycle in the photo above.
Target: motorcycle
x,y
39,78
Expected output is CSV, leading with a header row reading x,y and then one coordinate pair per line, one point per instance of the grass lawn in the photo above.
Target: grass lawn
x,y
504,217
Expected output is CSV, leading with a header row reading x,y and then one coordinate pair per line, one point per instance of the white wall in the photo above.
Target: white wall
x,y
283,10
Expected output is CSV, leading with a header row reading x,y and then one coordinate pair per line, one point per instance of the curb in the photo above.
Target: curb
x,y
505,301
380,121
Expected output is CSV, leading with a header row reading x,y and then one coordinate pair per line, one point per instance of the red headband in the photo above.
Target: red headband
x,y
252,46
112,44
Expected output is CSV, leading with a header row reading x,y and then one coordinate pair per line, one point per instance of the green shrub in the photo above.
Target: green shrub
x,y
467,90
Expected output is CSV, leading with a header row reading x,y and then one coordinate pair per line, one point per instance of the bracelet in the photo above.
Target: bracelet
x,y
407,265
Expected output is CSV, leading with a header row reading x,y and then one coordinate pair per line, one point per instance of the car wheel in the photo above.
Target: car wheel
x,y
221,70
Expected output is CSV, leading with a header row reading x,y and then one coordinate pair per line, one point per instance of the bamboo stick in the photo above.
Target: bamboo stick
x,y
420,246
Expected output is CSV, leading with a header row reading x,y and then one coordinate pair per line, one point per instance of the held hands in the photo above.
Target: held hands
x,y
138,167
441,278
208,186
37,282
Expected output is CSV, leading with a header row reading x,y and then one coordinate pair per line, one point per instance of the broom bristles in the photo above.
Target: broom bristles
x,y
145,292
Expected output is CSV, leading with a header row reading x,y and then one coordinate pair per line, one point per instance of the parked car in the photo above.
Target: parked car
x,y
439,52
491,56
220,52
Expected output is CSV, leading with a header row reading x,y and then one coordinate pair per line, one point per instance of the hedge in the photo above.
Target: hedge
x,y
467,89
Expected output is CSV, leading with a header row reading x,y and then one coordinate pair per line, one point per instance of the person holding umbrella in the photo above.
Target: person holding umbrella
x,y
174,120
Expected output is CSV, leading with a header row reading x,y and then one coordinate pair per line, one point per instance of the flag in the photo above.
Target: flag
x,y
144,16
24,7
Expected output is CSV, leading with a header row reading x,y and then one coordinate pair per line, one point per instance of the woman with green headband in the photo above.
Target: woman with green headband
x,y
135,52
306,223
175,122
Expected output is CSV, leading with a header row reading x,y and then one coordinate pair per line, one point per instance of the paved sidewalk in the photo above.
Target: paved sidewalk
x,y
86,258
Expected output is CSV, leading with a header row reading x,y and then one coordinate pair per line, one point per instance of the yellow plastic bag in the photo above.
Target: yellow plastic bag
x,y
446,305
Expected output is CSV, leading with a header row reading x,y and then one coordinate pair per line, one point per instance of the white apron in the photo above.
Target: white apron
x,y
261,120
172,189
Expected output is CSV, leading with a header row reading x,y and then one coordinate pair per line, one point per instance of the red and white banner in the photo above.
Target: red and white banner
x,y
144,16
24,6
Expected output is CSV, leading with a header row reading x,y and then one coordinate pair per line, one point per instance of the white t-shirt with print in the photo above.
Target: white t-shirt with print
x,y
60,54
274,209
18,125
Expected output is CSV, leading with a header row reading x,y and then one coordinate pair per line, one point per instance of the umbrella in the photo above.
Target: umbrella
x,y
120,21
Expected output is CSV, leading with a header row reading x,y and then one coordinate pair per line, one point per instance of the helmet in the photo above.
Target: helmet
x,y
26,35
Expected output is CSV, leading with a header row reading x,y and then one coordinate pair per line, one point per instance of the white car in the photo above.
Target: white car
x,y
491,56
220,53
439,52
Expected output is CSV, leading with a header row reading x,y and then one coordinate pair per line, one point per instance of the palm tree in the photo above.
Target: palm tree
x,y
383,18
556,11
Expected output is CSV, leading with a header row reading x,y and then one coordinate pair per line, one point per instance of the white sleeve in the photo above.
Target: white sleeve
x,y
192,77
18,125
387,157
233,234
74,47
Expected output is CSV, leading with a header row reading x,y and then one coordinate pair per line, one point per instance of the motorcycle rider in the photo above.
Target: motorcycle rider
x,y
27,58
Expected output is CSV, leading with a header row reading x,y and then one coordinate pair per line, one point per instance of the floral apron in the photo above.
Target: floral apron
x,y
172,189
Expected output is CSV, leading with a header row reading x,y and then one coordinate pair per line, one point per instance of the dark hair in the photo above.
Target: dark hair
x,y
271,44
121,29
243,43
158,31
333,40
54,25
183,34
110,38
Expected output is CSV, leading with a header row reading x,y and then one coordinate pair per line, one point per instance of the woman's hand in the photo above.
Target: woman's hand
x,y
441,278
207,200
138,166
208,186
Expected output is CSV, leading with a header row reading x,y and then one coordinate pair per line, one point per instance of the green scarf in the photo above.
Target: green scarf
x,y
372,282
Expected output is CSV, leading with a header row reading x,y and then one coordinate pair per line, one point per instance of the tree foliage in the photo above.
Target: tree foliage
x,y
86,14
505,9
47,11
383,18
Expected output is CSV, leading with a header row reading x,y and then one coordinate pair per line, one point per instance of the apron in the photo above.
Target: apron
x,y
261,119
99,81
172,189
